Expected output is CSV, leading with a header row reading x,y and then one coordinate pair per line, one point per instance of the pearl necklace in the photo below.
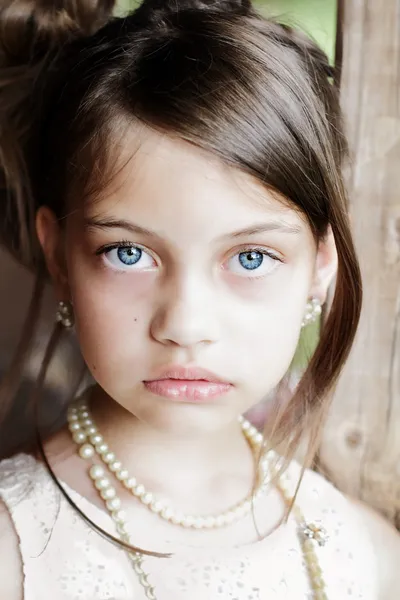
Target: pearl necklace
x,y
83,428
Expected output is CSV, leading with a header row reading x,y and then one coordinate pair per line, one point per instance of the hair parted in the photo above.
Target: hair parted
x,y
251,91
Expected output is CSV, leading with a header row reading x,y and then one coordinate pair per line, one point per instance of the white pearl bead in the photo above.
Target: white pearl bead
x,y
102,483
147,498
177,518
83,414
92,430
102,448
122,474
96,472
259,438
229,517
87,422
210,522
135,558
96,438
74,427
108,493
115,466
247,504
167,513
119,516
139,490
157,506
130,483
79,437
245,425
72,417
188,521
86,451
199,523
219,521
108,457
113,504
121,527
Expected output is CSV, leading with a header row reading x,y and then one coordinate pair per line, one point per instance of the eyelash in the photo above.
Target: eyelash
x,y
261,251
120,244
128,243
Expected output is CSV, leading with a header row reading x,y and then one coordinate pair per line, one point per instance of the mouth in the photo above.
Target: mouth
x,y
191,384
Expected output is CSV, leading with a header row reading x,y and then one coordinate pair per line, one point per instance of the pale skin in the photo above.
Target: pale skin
x,y
188,301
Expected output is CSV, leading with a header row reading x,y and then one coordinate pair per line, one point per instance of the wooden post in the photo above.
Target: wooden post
x,y
360,451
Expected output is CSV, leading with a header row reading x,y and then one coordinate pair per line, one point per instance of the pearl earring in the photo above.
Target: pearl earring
x,y
65,315
313,311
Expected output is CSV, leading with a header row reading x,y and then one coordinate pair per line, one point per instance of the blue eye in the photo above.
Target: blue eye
x,y
129,255
251,260
128,258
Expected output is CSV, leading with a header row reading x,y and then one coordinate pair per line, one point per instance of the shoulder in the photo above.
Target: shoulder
x,y
374,543
19,475
348,558
318,495
20,478
386,543
11,577
347,528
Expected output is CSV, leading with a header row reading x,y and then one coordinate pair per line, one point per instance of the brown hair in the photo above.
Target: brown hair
x,y
213,72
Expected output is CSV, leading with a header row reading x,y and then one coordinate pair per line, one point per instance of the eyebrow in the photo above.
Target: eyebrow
x,y
91,223
280,226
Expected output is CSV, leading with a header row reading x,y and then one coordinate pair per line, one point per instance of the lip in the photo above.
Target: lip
x,y
187,384
187,374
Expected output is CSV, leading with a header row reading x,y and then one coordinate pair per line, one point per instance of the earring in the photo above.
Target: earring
x,y
313,311
65,315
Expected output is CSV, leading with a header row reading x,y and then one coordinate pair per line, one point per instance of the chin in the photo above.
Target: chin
x,y
186,418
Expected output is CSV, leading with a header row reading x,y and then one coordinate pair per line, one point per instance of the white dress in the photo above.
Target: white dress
x,y
63,559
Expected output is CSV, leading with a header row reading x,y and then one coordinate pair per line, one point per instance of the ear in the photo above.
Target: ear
x,y
51,240
325,267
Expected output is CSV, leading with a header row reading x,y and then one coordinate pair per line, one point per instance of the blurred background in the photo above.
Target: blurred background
x,y
360,449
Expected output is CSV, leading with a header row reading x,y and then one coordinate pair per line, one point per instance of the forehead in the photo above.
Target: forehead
x,y
161,178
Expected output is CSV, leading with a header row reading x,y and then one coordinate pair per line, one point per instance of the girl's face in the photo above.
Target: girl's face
x,y
185,263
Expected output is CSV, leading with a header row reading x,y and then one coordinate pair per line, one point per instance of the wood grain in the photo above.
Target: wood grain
x,y
361,446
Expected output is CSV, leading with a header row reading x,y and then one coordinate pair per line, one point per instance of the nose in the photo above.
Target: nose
x,y
186,314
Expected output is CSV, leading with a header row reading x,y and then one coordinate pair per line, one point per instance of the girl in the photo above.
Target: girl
x,y
181,172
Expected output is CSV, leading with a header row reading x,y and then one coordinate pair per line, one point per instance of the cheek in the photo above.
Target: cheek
x,y
268,324
270,331
111,315
275,301
267,353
